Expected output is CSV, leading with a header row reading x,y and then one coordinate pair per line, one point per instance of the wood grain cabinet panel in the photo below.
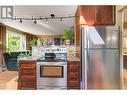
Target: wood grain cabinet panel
x,y
27,71
27,75
98,15
73,76
88,12
105,15
125,62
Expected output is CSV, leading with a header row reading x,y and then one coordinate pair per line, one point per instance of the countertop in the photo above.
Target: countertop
x,y
125,54
35,58
30,58
73,58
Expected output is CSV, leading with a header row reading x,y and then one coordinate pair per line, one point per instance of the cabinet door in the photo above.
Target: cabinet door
x,y
89,14
73,75
125,62
28,71
105,15
27,75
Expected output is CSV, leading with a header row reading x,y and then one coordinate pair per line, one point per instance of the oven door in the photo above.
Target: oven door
x,y
51,75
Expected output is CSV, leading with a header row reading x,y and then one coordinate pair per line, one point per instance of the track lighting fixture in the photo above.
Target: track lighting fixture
x,y
35,21
20,20
52,17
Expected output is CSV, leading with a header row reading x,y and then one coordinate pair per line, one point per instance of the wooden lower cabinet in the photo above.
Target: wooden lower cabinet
x,y
125,61
73,75
27,75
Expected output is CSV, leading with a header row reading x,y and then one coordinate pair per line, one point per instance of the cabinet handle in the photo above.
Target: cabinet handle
x,y
75,75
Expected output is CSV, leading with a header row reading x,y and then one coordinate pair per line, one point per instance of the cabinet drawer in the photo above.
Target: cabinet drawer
x,y
73,78
74,83
74,70
28,79
73,74
28,71
27,64
28,84
73,67
73,87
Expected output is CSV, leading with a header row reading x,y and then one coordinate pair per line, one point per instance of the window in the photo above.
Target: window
x,y
15,41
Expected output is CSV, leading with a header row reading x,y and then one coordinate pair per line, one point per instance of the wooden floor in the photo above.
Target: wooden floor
x,y
8,80
124,79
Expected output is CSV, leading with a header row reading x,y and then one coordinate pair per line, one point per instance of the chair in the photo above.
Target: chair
x,y
10,62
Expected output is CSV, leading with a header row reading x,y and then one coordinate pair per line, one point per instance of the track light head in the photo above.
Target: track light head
x,y
61,19
40,17
46,20
35,21
15,17
70,16
20,20
52,16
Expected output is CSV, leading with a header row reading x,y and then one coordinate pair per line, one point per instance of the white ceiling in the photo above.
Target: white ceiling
x,y
54,27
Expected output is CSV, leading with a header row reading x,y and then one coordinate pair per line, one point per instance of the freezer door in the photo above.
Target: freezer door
x,y
103,69
103,37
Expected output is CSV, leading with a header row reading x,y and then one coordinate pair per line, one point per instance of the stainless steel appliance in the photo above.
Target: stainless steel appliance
x,y
52,69
100,55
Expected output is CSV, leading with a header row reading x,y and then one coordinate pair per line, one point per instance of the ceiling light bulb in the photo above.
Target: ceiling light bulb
x,y
20,20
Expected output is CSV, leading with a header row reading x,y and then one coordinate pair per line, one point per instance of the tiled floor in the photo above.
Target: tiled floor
x,y
8,80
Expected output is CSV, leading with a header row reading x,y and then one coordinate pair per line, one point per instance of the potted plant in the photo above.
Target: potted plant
x,y
33,42
40,41
68,36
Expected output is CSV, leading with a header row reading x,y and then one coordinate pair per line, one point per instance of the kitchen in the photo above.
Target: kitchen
x,y
77,64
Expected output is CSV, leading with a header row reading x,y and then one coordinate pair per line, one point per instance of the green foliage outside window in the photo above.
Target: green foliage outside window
x,y
13,42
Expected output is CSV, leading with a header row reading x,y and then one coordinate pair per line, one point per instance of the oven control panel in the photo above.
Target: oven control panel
x,y
55,50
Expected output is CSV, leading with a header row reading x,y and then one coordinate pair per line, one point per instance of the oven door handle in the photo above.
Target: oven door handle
x,y
54,64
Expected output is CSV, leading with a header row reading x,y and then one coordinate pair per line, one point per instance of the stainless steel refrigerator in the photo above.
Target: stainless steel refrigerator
x,y
100,57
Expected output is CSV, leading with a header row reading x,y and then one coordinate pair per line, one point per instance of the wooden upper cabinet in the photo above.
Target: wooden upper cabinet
x,y
105,15
98,15
88,12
